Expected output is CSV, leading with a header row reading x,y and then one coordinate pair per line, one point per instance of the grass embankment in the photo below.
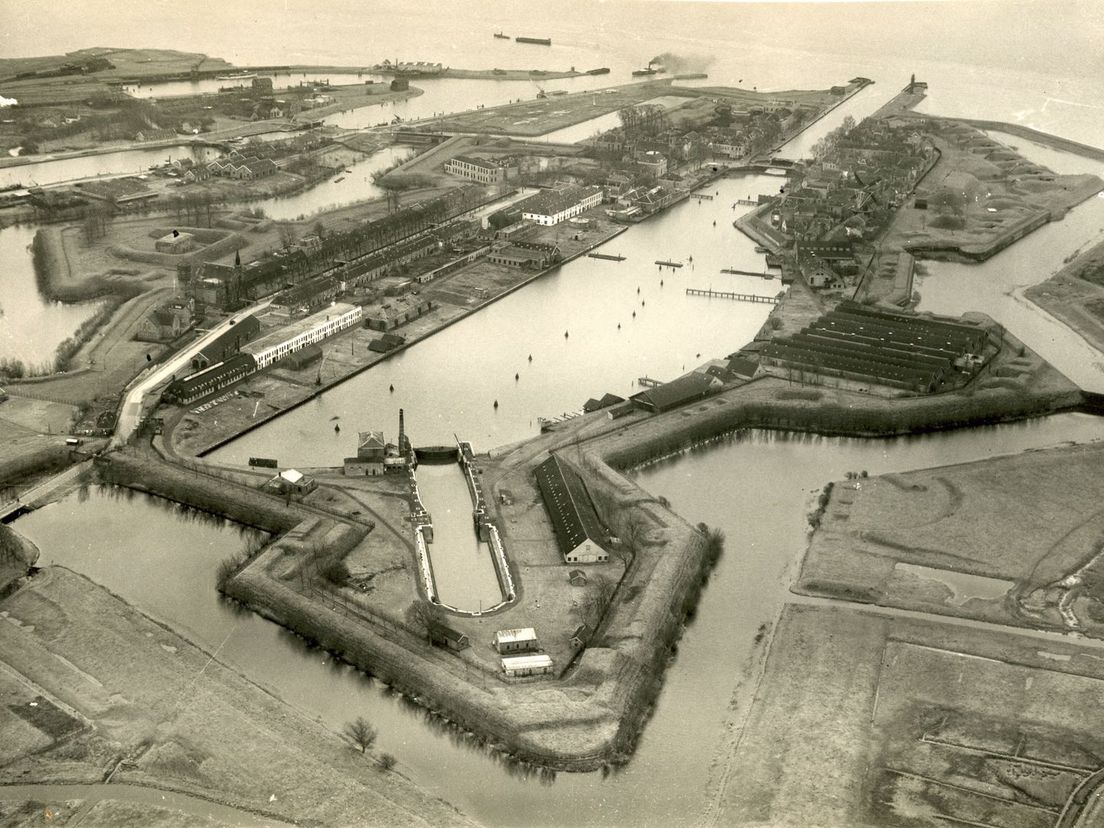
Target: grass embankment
x,y
48,270
201,491
191,724
17,556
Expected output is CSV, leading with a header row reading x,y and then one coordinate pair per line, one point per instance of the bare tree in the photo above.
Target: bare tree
x,y
287,235
596,600
632,531
421,615
361,733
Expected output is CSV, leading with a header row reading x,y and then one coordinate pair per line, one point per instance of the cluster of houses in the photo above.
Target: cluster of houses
x,y
241,167
852,190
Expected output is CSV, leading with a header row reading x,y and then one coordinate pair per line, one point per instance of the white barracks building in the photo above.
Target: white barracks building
x,y
553,206
307,331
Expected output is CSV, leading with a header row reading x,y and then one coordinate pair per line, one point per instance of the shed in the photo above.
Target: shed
x,y
446,636
693,386
292,480
577,577
519,640
527,665
605,402
743,368
298,360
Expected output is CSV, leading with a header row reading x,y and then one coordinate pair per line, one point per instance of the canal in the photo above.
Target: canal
x,y
756,486
31,327
123,162
462,567
996,285
622,320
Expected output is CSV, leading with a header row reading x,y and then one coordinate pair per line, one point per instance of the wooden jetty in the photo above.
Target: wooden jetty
x,y
546,423
702,196
648,382
746,272
728,294
606,256
668,264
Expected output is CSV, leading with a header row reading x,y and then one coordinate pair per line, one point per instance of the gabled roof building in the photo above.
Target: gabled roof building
x,y
579,533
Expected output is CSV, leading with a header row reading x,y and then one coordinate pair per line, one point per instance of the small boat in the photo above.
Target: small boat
x,y
496,404
339,179
639,72
501,36
530,357
566,334
517,377
237,76
337,428
539,41
602,70
392,389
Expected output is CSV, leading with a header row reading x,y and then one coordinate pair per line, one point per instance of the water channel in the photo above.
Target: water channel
x,y
756,486
997,285
462,568
31,327
450,382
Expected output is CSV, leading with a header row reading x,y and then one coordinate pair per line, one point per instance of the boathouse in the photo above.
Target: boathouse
x,y
575,523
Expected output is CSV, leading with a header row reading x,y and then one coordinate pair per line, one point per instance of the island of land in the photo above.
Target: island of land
x,y
922,597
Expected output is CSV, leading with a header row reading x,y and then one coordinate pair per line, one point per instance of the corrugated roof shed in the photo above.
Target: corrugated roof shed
x,y
515,635
685,389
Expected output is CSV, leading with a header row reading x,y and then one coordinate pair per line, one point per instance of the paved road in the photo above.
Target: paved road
x,y
131,412
201,809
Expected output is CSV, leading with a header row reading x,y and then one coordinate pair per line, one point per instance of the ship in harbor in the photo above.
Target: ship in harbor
x,y
638,72
540,41
602,70
237,76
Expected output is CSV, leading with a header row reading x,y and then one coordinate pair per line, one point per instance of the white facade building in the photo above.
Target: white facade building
x,y
553,206
477,169
300,334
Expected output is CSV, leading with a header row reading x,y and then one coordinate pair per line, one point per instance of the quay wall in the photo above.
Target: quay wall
x,y
257,423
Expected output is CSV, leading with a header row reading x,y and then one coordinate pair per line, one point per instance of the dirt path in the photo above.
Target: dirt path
x,y
192,806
